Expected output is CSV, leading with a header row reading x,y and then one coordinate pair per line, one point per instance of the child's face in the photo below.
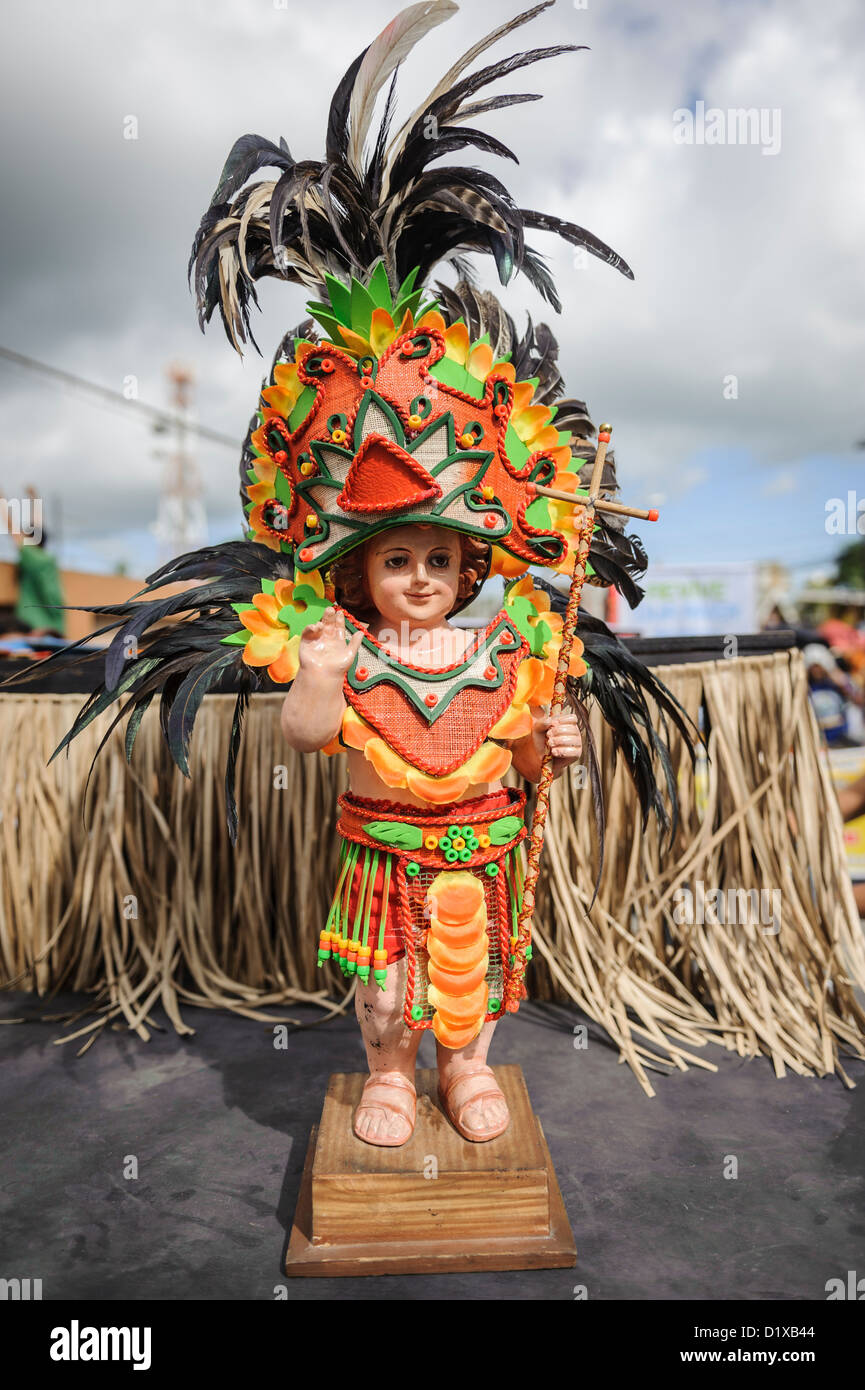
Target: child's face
x,y
413,572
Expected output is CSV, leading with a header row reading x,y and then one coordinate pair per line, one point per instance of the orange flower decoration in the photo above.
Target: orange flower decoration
x,y
276,621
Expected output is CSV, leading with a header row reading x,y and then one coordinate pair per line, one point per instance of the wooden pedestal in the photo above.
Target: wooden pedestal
x,y
437,1204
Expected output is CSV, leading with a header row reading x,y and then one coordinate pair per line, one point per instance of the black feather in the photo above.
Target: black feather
x,y
623,687
327,216
181,661
240,706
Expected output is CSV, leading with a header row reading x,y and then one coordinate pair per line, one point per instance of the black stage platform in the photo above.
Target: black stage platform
x,y
219,1123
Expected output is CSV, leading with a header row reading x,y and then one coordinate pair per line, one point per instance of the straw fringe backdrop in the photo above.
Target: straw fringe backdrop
x,y
148,905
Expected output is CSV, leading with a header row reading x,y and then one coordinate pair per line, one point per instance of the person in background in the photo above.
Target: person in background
x,y
40,594
832,695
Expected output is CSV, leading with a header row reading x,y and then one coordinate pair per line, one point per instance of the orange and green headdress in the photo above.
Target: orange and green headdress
x,y
393,402
391,406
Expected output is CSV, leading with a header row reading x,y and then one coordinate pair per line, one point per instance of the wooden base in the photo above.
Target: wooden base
x,y
437,1204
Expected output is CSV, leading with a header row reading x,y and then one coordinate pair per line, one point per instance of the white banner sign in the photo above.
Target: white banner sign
x,y
692,600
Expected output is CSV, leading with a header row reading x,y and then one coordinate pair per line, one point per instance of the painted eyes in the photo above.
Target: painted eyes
x,y
441,561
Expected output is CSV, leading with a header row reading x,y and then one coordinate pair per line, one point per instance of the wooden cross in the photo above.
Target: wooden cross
x,y
591,504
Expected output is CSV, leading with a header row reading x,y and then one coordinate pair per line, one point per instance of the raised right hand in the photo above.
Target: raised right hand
x,y
324,649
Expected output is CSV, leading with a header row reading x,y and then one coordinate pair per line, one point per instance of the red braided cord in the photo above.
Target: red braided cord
x,y
539,818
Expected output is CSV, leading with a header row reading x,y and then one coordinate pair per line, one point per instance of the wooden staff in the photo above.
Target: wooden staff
x,y
601,504
539,819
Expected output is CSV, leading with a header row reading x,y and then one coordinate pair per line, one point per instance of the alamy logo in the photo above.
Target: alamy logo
x,y
20,1289
737,126
76,1343
736,907
854,1288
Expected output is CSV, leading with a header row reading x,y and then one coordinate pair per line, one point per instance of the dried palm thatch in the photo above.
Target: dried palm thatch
x,y
148,904
151,906
760,816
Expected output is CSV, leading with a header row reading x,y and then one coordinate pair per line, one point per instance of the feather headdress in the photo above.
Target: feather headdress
x,y
339,215
396,401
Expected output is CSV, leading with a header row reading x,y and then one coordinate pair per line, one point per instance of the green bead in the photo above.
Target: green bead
x,y
495,1005
417,1012
363,973
492,870
472,843
453,831
412,869
451,855
465,855
380,977
444,843
528,953
466,832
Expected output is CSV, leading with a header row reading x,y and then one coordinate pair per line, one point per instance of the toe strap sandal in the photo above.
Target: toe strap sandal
x,y
489,1092
384,1082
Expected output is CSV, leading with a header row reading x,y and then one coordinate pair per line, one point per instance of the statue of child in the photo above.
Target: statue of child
x,y
411,579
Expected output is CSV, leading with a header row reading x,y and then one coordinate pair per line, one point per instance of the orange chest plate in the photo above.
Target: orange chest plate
x,y
436,718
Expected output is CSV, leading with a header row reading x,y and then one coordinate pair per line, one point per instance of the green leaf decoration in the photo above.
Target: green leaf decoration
x,y
517,451
267,586
302,407
305,609
505,829
537,514
379,287
305,593
351,306
362,306
452,373
393,832
413,302
407,285
520,609
340,298
282,488
330,323
236,639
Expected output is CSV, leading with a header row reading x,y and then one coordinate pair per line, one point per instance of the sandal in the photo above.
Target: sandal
x,y
490,1092
387,1081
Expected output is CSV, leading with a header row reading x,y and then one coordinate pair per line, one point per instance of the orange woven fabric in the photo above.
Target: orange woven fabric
x,y
394,939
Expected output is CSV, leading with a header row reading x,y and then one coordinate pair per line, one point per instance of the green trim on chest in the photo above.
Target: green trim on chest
x,y
419,684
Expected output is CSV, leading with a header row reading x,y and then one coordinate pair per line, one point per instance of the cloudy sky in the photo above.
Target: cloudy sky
x,y
731,368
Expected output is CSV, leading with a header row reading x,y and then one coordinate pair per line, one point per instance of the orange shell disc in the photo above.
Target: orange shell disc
x,y
450,983
456,895
459,959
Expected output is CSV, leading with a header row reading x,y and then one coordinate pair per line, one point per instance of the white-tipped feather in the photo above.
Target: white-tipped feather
x,y
340,215
397,142
384,54
258,202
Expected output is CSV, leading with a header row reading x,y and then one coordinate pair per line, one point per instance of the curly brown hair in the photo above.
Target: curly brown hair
x,y
348,576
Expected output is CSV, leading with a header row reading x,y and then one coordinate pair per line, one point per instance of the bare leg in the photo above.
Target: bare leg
x,y
488,1116
385,1115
